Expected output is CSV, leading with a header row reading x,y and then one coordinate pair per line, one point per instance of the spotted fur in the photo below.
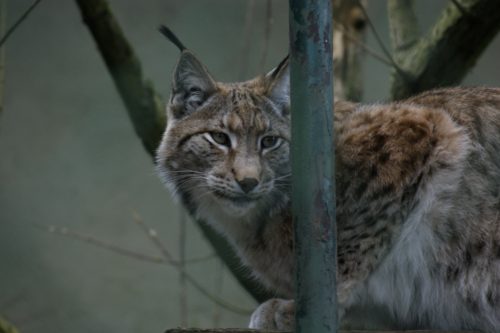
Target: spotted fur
x,y
418,194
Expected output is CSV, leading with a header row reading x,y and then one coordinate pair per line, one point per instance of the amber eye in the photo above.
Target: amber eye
x,y
221,138
269,141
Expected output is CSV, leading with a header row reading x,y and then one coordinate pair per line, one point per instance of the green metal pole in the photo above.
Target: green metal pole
x,y
313,157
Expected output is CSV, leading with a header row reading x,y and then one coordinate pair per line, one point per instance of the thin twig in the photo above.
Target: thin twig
x,y
7,327
267,34
63,231
183,305
2,53
86,238
19,21
461,8
153,236
12,302
99,243
247,33
146,112
200,259
374,30
380,42
363,45
217,300
28,320
219,284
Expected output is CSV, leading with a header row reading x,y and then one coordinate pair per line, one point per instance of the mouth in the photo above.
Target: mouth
x,y
241,200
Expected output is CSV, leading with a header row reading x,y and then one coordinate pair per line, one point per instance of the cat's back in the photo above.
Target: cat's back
x,y
477,111
465,222
475,108
442,269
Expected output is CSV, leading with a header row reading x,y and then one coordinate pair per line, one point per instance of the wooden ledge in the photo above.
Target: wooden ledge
x,y
247,330
221,330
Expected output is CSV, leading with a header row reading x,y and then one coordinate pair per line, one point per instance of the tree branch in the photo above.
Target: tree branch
x,y
348,36
146,110
6,327
143,104
450,50
147,114
18,22
164,259
242,273
267,35
403,28
2,53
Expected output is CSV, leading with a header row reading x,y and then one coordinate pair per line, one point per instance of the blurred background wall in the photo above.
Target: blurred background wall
x,y
70,158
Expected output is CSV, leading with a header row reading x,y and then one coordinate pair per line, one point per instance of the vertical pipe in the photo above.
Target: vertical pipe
x,y
313,159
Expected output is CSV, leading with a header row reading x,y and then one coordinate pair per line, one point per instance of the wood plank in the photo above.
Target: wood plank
x,y
247,330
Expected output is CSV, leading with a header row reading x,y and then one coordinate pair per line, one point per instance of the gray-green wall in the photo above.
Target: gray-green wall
x,y
70,158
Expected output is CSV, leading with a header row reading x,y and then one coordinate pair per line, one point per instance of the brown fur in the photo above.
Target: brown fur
x,y
418,194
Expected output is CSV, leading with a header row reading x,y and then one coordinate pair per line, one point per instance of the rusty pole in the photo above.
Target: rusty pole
x,y
313,158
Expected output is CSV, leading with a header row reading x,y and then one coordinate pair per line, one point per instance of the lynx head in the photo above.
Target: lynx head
x,y
226,146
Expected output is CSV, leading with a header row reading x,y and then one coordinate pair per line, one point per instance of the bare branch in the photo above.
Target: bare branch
x,y
451,49
6,327
347,49
267,34
363,45
200,259
217,300
403,27
63,231
219,284
381,43
86,238
18,22
375,33
143,104
242,273
153,236
247,34
183,305
2,53
460,7
147,114
165,259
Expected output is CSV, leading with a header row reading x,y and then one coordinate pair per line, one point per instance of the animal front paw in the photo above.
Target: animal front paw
x,y
274,314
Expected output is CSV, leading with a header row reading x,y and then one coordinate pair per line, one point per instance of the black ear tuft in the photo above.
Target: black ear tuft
x,y
192,84
279,84
171,37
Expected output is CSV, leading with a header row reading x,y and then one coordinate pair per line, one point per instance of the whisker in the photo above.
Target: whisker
x,y
186,171
283,176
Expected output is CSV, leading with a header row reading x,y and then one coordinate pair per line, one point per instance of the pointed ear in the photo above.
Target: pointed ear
x,y
191,86
279,84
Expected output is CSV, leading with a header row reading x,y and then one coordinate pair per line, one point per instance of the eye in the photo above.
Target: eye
x,y
269,141
221,138
194,90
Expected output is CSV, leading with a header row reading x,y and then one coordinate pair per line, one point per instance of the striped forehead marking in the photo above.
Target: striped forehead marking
x,y
244,113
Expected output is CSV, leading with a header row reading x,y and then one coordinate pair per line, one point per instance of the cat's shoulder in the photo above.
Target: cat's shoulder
x,y
390,145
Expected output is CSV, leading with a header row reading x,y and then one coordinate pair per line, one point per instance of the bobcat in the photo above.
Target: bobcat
x,y
418,194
